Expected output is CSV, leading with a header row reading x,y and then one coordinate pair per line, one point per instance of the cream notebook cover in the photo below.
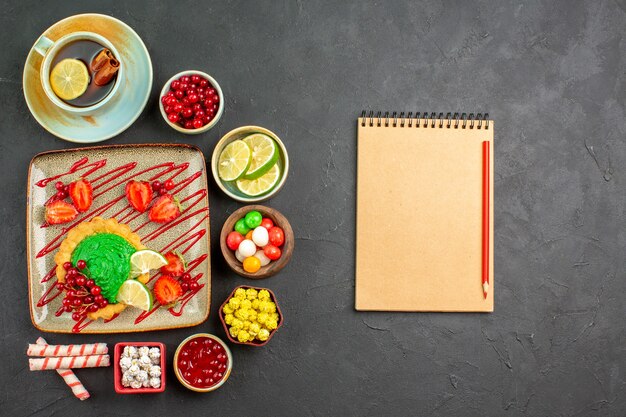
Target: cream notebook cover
x,y
419,226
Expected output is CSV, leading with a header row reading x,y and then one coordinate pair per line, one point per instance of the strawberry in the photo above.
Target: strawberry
x,y
81,194
175,264
139,194
165,209
167,290
60,211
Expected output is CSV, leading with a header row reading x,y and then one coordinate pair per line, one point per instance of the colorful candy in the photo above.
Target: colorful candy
x,y
256,241
276,236
241,227
251,264
260,236
233,240
253,219
247,248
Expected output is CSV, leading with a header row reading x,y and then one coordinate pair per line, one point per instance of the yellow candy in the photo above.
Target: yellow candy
x,y
263,335
251,264
240,293
271,324
237,323
234,331
243,336
228,319
252,315
242,314
255,304
263,295
263,307
246,304
254,328
272,307
227,309
262,318
251,294
274,316
234,303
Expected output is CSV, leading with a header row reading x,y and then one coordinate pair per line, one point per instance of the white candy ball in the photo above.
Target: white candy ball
x,y
260,236
247,248
155,382
260,255
238,256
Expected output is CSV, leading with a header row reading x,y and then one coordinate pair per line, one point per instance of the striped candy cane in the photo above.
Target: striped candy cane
x,y
72,381
67,350
68,362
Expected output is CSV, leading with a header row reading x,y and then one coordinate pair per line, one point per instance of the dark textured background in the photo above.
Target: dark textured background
x,y
551,74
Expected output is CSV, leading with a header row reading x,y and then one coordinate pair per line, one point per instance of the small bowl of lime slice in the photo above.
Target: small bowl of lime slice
x,y
250,164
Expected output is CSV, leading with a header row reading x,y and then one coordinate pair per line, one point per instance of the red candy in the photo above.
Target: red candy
x,y
233,240
272,252
191,102
267,223
277,236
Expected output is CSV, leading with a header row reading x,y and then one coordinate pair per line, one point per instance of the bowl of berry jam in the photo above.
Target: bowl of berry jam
x,y
202,362
191,102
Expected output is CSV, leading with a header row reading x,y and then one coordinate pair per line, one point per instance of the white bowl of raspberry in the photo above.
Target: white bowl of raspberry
x,y
191,102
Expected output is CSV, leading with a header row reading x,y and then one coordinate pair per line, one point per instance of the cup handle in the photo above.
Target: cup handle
x,y
42,45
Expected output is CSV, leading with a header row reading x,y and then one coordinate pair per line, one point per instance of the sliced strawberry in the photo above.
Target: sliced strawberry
x,y
139,194
81,193
167,290
60,211
165,209
175,264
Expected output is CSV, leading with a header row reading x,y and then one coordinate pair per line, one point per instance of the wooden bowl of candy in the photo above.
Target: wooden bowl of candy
x,y
203,362
139,367
257,241
251,316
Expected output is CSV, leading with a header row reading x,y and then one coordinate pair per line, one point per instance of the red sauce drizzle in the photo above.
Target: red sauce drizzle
x,y
81,324
74,168
49,275
115,178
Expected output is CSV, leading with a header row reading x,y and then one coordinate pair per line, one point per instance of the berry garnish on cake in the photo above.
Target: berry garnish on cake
x,y
93,264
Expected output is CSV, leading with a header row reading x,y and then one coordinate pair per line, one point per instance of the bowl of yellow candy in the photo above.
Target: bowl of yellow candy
x,y
251,316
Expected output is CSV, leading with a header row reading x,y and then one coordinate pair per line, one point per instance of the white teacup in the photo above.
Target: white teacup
x,y
48,49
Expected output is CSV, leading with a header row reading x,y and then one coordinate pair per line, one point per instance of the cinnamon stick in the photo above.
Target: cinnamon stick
x,y
98,62
107,72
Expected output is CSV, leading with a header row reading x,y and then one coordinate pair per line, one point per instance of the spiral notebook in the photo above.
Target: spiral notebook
x,y
424,239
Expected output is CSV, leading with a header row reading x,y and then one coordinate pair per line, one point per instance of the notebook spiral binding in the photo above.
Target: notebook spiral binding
x,y
456,120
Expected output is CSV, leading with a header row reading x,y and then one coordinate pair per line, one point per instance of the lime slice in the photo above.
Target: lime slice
x,y
69,79
234,160
134,293
142,261
264,155
261,185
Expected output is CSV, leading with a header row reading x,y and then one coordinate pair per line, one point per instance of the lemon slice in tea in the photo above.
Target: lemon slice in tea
x,y
142,261
260,185
69,79
134,293
264,155
234,160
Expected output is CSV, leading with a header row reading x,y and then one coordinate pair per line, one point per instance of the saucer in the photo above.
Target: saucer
x,y
117,115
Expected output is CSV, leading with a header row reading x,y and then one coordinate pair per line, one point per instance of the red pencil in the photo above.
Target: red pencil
x,y
486,213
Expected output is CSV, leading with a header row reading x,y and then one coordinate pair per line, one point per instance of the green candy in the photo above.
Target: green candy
x,y
253,219
241,226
